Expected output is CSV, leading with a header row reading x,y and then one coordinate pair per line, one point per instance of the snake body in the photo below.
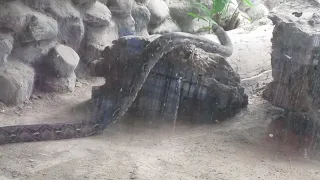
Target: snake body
x,y
117,97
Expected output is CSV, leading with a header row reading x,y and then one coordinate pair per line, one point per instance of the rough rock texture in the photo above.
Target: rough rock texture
x,y
166,26
59,84
6,43
223,100
17,82
295,61
141,16
159,11
120,8
97,15
63,60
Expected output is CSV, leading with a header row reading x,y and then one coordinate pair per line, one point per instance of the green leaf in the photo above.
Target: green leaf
x,y
220,5
194,15
248,3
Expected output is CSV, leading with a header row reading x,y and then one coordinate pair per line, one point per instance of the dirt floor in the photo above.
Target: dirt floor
x,y
239,148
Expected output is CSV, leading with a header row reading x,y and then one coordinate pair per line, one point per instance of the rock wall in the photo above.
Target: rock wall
x,y
295,61
53,41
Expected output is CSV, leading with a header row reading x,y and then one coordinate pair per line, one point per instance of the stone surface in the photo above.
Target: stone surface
x,y
159,11
6,44
141,16
71,32
97,15
295,58
33,52
120,8
14,16
256,12
63,60
84,1
16,82
96,40
40,27
166,26
59,84
213,102
126,26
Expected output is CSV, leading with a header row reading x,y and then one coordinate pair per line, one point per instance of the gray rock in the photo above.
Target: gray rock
x,y
126,26
84,1
159,11
141,16
6,44
71,32
97,15
166,26
178,11
120,8
141,1
16,83
40,27
63,60
294,60
60,84
258,11
96,40
14,16
33,52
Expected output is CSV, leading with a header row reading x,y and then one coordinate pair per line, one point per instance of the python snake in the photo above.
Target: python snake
x,y
114,102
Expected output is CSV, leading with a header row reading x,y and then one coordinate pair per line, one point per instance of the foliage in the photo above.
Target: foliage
x,y
213,14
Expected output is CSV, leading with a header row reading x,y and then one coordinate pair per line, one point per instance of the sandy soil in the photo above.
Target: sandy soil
x,y
236,149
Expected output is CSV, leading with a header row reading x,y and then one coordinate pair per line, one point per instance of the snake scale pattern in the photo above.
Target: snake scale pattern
x,y
114,103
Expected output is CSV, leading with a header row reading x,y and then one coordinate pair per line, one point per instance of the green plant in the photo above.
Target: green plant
x,y
212,15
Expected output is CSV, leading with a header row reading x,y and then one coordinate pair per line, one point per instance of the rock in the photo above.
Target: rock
x,y
256,12
159,11
96,40
178,11
84,1
141,16
142,1
6,44
14,16
71,32
97,15
219,98
63,60
59,84
166,26
126,26
33,52
195,26
294,60
40,27
16,82
120,8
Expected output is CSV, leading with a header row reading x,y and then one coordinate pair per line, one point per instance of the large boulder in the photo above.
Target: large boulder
x,y
63,60
167,26
216,95
141,16
6,44
14,16
33,52
40,27
120,8
294,60
59,84
159,11
126,26
97,15
95,41
16,82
